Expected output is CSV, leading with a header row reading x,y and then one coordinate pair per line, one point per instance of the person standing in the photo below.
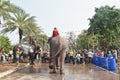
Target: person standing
x,y
78,56
115,55
90,56
71,53
109,54
17,56
10,56
36,50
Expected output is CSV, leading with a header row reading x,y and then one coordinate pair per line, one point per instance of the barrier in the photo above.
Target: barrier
x,y
104,63
99,61
107,63
111,64
95,60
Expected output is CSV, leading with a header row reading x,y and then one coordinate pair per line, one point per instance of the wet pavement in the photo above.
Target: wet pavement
x,y
72,72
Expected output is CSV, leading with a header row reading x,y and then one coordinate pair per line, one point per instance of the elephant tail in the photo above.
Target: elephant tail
x,y
57,54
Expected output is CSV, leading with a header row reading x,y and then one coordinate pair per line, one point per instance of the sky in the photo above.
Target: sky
x,y
66,15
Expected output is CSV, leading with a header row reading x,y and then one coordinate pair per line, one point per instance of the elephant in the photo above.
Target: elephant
x,y
27,50
58,47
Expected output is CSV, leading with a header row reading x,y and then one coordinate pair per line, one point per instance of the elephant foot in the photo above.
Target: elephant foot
x,y
51,66
31,63
58,68
62,72
53,72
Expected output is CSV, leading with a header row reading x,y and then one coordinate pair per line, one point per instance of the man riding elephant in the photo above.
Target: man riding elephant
x,y
58,48
55,32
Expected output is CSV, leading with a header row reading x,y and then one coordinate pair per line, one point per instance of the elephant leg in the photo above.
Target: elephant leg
x,y
53,66
50,63
57,63
62,59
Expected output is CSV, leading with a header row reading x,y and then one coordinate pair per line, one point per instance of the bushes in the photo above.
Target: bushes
x,y
5,44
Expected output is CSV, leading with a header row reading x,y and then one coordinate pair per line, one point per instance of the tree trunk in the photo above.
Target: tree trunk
x,y
20,35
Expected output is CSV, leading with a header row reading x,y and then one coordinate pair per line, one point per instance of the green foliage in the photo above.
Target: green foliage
x,y
82,41
5,44
85,41
104,30
106,23
4,9
18,20
43,41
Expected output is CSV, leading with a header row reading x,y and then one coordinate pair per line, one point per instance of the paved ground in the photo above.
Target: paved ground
x,y
72,72
10,68
6,67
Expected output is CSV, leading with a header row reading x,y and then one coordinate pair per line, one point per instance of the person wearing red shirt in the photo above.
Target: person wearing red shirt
x,y
55,32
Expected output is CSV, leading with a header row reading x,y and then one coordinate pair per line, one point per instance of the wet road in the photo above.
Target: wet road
x,y
72,72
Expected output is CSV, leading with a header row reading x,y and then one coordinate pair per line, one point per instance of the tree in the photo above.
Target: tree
x,y
81,41
5,44
106,23
6,8
85,41
72,40
32,33
43,41
20,20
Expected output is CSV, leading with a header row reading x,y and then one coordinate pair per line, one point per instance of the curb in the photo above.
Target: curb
x,y
13,70
107,70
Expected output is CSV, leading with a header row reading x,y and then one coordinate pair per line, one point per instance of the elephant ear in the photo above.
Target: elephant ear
x,y
49,39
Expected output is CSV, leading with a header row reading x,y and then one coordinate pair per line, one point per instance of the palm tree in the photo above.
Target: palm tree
x,y
5,9
32,32
19,20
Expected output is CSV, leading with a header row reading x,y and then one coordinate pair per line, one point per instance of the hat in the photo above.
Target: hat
x,y
55,28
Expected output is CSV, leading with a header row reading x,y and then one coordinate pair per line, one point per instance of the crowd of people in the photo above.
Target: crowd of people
x,y
20,54
6,57
86,56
